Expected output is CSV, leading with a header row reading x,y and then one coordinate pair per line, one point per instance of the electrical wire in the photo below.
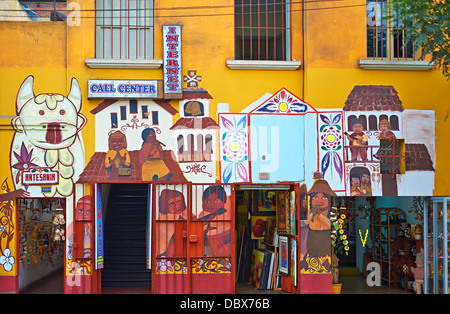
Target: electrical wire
x,y
207,7
197,7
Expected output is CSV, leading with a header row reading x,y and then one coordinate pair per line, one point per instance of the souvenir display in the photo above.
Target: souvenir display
x,y
41,238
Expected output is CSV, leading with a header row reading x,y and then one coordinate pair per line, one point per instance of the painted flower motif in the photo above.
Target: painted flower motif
x,y
50,100
331,141
24,161
7,260
235,149
164,265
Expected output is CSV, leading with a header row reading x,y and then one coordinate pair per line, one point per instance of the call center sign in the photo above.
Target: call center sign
x,y
124,89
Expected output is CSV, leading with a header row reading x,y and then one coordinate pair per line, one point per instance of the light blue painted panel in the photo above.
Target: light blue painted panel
x,y
277,147
311,154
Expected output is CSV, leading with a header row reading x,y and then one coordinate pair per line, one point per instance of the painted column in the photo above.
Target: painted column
x,y
315,245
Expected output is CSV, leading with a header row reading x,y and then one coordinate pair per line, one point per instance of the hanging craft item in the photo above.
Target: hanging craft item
x,y
59,219
339,239
58,222
41,236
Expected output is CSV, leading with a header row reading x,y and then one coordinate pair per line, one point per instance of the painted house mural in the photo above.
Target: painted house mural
x,y
195,133
137,140
374,114
279,138
133,142
372,147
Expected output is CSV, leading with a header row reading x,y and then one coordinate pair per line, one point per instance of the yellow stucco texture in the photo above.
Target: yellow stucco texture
x,y
418,90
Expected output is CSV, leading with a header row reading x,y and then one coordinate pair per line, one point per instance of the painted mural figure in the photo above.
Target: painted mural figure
x,y
217,234
356,189
172,206
358,140
318,221
366,185
56,140
117,156
385,134
152,159
83,213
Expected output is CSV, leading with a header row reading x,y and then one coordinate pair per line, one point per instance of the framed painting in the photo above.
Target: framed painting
x,y
267,200
283,216
293,262
292,214
260,226
283,246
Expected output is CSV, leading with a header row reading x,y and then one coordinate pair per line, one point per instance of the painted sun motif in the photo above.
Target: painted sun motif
x,y
283,107
283,102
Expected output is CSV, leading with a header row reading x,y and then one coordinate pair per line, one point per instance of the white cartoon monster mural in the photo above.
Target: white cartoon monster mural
x,y
48,138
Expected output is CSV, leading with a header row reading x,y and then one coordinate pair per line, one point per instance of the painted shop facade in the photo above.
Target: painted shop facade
x,y
160,145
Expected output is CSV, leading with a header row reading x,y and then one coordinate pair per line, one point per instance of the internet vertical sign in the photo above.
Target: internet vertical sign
x,y
172,62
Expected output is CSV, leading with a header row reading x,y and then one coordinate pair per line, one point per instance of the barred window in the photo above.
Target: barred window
x,y
385,38
262,30
124,29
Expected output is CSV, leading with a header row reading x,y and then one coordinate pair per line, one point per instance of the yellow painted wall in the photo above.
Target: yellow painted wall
x,y
336,40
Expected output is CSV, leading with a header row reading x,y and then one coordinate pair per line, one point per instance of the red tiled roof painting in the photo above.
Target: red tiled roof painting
x,y
417,158
373,98
195,93
95,170
195,123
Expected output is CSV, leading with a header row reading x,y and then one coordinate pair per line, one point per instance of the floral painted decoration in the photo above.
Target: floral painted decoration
x,y
283,102
24,161
7,260
7,228
235,149
315,264
331,142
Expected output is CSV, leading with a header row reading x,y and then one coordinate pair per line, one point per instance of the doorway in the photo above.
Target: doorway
x,y
260,212
193,238
42,226
125,218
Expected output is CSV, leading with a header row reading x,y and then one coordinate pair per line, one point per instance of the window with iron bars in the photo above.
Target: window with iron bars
x,y
262,30
385,37
124,29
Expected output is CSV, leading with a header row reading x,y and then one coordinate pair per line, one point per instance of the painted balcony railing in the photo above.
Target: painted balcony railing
x,y
361,154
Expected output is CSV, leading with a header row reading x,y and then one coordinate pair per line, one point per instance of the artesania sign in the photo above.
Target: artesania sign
x,y
124,89
172,62
39,176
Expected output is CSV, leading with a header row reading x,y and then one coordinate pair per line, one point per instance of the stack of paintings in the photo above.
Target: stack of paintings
x,y
261,273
